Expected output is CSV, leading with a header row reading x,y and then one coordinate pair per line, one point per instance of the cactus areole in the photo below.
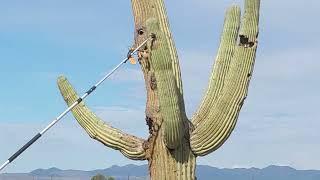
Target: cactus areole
x,y
175,141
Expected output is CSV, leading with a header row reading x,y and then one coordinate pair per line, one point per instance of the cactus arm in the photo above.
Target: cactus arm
x,y
221,65
163,63
130,146
146,9
170,44
215,129
167,90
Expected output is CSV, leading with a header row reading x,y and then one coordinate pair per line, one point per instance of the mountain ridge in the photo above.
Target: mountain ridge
x,y
204,172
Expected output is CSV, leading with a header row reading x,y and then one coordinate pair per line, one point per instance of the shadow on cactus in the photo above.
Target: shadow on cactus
x,y
175,140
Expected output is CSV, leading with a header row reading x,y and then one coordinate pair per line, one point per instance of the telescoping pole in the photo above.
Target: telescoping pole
x,y
36,137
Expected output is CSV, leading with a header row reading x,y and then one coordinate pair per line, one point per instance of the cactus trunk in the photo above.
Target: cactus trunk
x,y
171,164
175,141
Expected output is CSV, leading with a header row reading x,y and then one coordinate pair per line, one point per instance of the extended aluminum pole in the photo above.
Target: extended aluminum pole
x,y
36,137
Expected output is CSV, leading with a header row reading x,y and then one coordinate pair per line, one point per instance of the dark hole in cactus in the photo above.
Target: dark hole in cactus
x,y
153,36
149,122
140,31
244,41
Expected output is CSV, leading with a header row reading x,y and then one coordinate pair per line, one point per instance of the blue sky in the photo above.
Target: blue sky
x,y
40,40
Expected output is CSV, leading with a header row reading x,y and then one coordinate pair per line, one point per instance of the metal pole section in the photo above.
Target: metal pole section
x,y
36,137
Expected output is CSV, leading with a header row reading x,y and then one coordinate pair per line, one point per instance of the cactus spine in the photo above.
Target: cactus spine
x,y
175,141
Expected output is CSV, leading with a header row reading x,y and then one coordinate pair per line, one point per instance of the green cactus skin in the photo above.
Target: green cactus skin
x,y
174,141
215,127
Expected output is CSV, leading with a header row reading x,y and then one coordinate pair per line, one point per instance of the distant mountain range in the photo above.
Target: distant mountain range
x,y
135,172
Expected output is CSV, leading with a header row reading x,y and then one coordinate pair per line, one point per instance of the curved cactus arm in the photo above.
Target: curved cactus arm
x,y
146,9
167,90
130,146
215,129
221,66
151,17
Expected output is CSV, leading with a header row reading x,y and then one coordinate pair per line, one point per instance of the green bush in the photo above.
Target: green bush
x,y
99,177
102,177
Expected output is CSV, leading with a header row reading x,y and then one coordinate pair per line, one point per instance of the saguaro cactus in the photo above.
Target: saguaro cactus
x,y
175,141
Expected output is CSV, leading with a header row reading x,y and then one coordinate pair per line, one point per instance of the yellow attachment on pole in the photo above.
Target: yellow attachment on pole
x,y
132,60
